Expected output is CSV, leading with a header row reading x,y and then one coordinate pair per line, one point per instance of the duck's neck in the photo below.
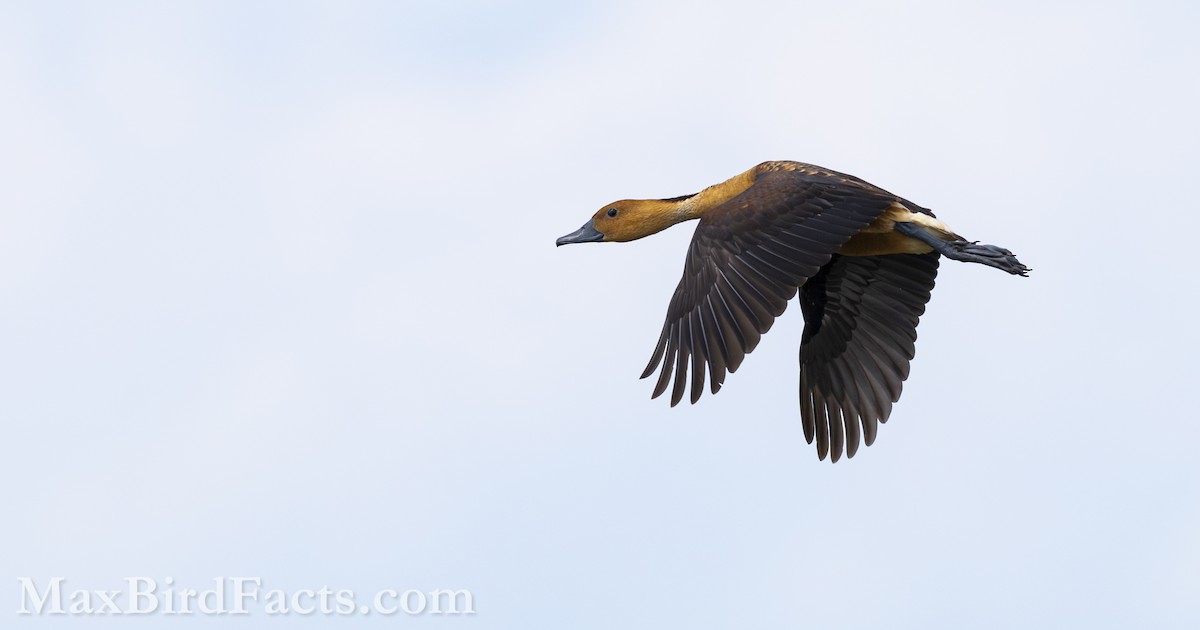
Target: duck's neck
x,y
650,216
697,205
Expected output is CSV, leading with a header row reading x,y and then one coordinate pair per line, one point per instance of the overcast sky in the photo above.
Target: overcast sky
x,y
279,297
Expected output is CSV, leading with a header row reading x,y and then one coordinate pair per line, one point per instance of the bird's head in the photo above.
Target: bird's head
x,y
629,219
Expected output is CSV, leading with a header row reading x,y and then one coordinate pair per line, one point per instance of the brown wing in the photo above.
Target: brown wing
x,y
860,329
746,260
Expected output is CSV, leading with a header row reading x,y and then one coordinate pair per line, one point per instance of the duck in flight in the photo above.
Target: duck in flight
x,y
863,260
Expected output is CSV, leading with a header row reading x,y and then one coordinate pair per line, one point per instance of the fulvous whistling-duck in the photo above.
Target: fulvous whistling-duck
x,y
864,261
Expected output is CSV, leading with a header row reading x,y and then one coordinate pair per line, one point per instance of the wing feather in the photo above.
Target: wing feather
x,y
861,316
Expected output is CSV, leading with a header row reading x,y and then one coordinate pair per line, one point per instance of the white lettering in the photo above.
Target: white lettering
x,y
452,600
29,595
276,602
169,596
345,602
185,600
240,594
407,597
141,589
296,605
379,606
147,596
217,607
81,602
108,602
326,607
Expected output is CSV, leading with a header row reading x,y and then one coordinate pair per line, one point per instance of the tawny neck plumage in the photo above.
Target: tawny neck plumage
x,y
697,205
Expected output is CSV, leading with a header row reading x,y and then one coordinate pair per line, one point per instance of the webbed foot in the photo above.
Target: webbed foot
x,y
989,255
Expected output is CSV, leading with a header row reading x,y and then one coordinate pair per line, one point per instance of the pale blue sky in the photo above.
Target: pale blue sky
x,y
281,299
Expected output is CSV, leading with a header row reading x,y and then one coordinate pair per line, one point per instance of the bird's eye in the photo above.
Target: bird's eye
x,y
612,212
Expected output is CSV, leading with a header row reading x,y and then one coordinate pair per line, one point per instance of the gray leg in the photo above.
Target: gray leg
x,y
965,251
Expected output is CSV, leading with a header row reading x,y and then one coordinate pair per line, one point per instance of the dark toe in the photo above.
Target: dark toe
x,y
991,255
